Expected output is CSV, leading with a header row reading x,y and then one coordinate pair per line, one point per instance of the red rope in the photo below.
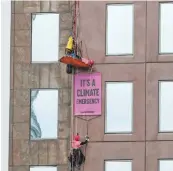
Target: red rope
x,y
77,21
74,37
74,23
74,30
76,10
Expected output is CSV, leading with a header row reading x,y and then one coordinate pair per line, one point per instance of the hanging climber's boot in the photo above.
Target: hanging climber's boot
x,y
69,69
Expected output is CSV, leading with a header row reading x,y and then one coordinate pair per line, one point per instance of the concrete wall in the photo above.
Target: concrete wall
x,y
145,146
25,76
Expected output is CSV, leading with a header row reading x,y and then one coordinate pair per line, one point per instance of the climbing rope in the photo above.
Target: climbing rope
x,y
72,121
77,50
75,34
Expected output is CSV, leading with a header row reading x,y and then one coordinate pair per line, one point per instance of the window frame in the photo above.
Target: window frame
x,y
41,139
58,53
152,34
159,30
155,72
132,103
118,160
126,55
40,166
159,95
163,159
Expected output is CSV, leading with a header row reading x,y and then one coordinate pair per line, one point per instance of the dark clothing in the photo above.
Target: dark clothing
x,y
77,158
83,143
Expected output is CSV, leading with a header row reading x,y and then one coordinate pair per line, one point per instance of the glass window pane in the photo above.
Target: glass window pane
x,y
43,168
166,106
166,28
166,165
44,114
45,37
119,107
125,165
120,28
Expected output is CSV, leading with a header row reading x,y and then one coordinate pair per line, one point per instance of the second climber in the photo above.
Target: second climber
x,y
76,157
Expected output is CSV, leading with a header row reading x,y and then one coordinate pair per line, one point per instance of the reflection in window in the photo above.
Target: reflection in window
x,y
166,106
117,165
44,114
45,37
166,28
35,126
120,28
43,168
119,107
166,165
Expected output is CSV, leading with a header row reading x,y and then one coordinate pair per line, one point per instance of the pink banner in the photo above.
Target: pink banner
x,y
87,94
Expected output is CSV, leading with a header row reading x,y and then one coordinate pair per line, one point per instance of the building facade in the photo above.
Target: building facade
x,y
130,42
30,147
131,45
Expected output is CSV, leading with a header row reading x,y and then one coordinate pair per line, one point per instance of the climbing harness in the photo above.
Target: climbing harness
x,y
71,58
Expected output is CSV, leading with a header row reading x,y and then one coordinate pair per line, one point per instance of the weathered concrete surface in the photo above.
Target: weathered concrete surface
x,y
25,76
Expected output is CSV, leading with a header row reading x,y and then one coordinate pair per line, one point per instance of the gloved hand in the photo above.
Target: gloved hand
x,y
87,137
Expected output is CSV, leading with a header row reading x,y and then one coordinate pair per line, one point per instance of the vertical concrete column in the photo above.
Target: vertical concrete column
x,y
26,76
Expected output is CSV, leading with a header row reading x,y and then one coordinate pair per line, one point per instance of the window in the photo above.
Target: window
x,y
45,37
166,106
166,28
119,107
116,165
44,114
120,28
166,165
43,168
